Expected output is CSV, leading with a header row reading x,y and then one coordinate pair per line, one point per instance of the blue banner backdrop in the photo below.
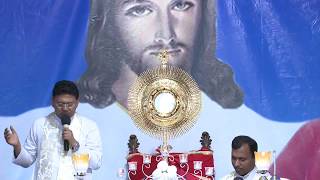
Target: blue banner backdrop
x,y
271,46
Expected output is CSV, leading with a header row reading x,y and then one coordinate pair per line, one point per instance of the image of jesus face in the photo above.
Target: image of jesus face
x,y
147,27
125,38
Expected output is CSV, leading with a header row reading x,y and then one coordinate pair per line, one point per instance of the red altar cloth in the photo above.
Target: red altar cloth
x,y
206,156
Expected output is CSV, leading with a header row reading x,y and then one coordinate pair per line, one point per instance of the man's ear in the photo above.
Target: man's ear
x,y
52,101
77,103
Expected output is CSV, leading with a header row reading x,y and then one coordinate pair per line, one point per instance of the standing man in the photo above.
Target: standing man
x,y
51,145
243,159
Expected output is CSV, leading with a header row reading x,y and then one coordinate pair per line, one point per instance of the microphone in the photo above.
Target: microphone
x,y
65,120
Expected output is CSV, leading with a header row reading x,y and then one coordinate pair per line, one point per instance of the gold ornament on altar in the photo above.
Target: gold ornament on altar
x,y
164,101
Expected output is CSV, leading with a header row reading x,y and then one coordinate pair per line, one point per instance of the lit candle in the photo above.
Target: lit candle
x,y
81,163
263,160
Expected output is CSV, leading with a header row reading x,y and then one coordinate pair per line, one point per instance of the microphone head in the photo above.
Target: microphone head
x,y
65,119
238,178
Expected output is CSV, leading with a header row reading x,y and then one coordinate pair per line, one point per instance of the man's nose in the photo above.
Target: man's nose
x,y
237,163
65,107
165,33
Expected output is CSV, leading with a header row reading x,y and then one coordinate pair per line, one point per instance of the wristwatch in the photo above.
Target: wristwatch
x,y
75,147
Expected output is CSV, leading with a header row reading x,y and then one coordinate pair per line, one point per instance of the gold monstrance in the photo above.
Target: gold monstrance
x,y
164,101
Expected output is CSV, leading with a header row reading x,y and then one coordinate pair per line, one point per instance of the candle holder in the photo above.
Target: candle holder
x,y
80,163
263,161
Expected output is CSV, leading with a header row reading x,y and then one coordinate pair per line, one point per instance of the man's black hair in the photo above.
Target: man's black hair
x,y
239,141
65,87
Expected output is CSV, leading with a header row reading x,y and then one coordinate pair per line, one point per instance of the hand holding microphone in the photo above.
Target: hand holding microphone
x,y
68,137
67,134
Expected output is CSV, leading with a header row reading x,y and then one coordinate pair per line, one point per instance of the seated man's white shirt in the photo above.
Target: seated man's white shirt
x,y
44,145
252,175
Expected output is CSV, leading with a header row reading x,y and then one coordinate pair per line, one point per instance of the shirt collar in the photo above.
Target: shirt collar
x,y
253,171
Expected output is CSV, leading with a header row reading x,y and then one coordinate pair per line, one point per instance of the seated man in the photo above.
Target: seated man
x,y
243,159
